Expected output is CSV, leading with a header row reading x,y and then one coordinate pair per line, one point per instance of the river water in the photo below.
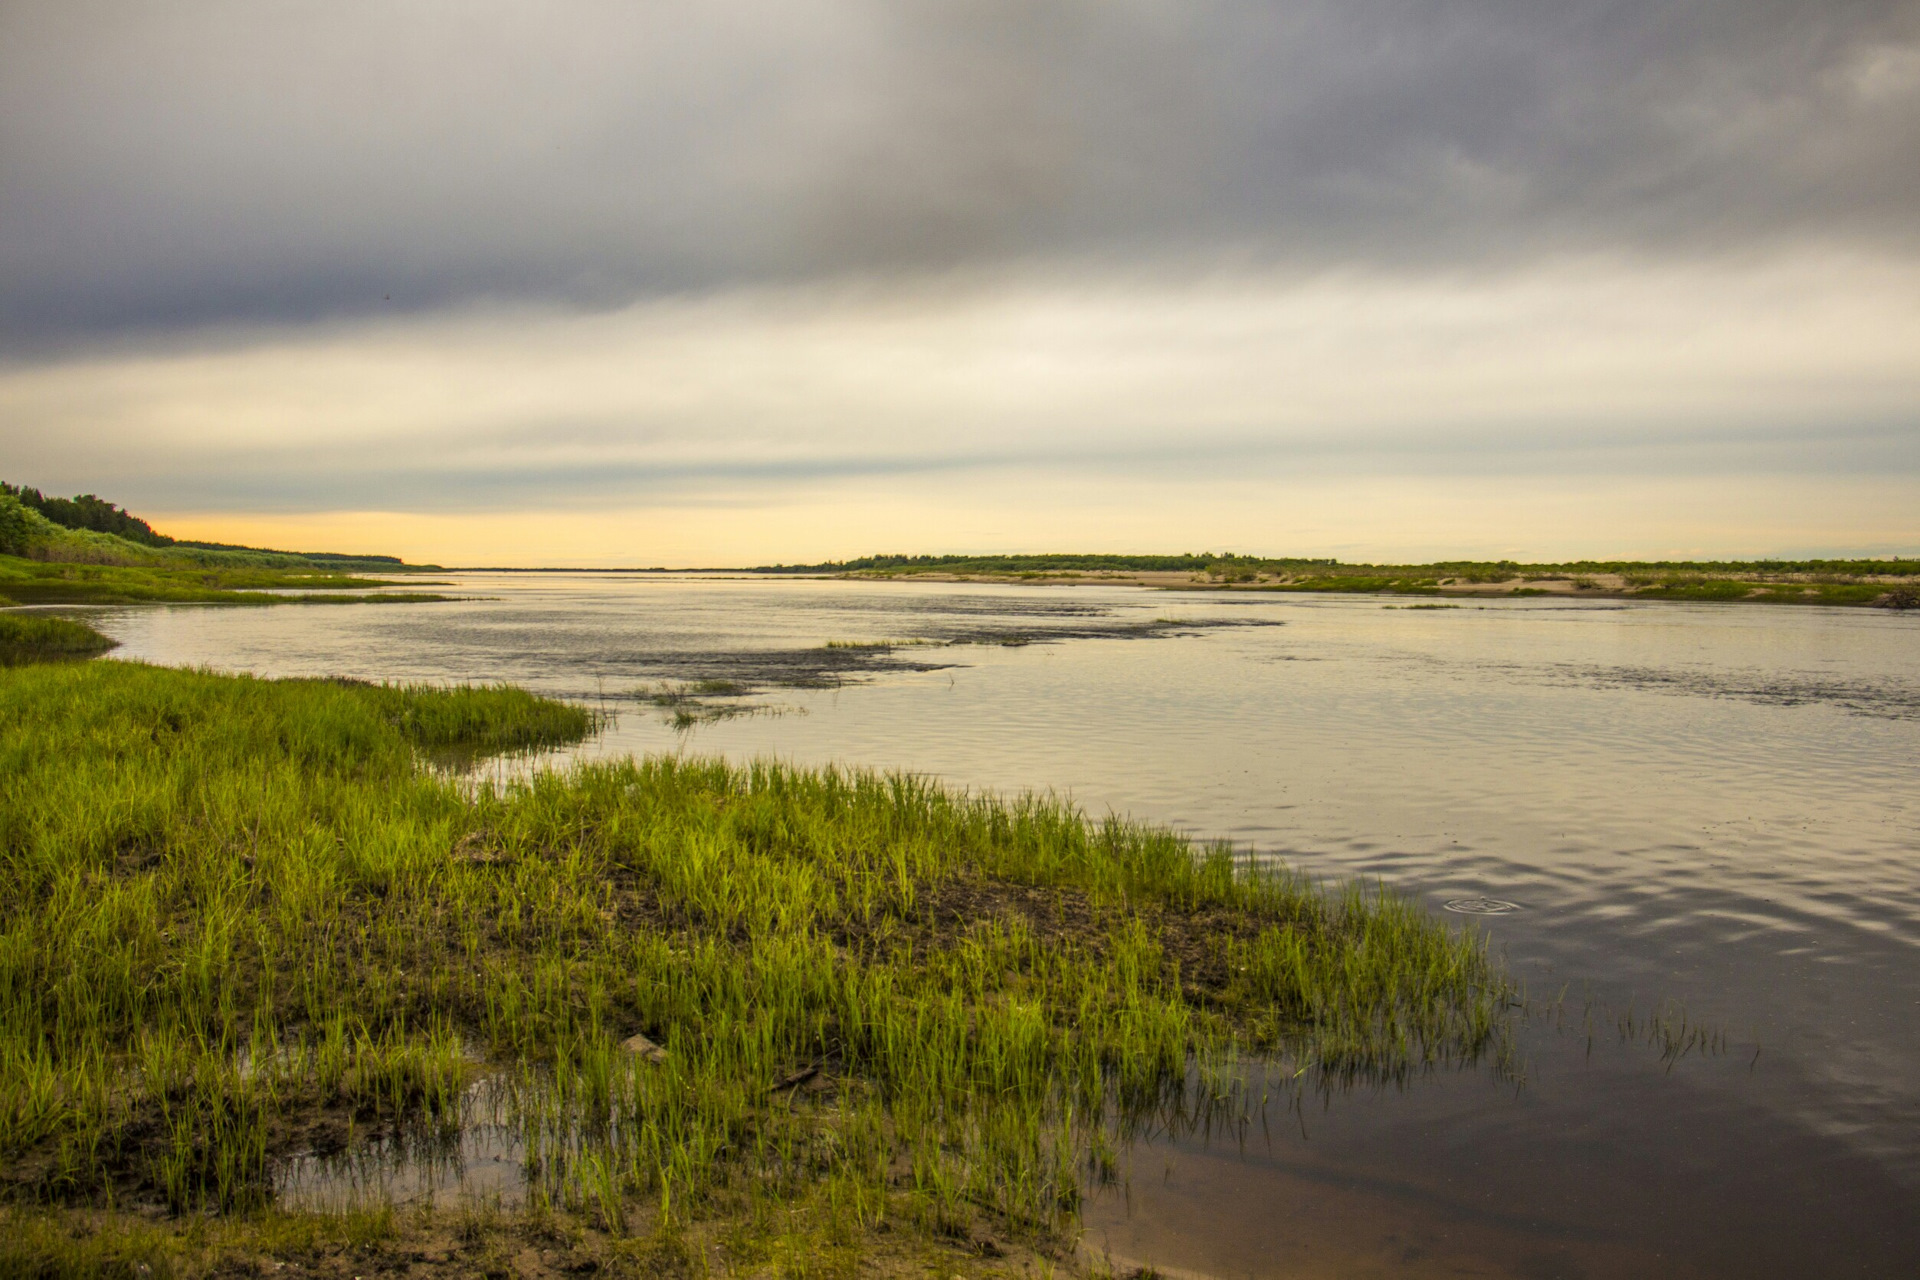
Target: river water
x,y
1708,812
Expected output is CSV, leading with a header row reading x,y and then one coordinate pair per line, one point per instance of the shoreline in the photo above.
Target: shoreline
x,y
1632,581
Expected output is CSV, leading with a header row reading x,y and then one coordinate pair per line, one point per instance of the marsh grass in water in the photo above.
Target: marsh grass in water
x,y
1667,1028
28,637
683,693
242,921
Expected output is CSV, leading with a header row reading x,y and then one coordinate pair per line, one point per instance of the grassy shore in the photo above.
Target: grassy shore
x,y
243,920
1886,583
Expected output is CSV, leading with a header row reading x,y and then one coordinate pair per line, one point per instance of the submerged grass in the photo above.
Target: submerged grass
x,y
686,704
242,919
679,693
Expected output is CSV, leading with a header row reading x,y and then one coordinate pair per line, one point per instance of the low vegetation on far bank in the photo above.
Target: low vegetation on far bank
x,y
1892,583
733,1021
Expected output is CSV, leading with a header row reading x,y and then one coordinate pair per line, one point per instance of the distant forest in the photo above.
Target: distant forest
x,y
85,511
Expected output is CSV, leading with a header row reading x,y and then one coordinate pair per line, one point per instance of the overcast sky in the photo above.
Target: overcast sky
x,y
633,283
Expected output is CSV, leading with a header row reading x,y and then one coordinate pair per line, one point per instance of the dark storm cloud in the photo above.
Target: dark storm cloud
x,y
178,164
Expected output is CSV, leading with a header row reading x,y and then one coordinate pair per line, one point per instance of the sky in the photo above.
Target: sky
x,y
634,283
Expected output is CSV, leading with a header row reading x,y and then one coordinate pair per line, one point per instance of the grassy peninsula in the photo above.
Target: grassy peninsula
x,y
25,638
1892,583
106,556
737,1020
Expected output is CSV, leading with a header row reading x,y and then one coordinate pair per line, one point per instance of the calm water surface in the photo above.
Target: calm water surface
x,y
1702,807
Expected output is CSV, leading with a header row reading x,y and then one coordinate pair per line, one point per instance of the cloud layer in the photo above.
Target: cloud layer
x,y
1706,372
202,162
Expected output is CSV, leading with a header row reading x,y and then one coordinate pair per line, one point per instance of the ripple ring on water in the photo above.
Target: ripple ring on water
x,y
1482,906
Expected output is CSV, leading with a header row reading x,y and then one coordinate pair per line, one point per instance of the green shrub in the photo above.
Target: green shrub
x,y
21,527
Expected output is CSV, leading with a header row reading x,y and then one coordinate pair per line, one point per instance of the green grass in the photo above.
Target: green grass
x,y
482,718
241,918
26,637
1840,593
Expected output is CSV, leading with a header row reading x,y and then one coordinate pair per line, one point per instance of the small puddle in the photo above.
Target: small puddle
x,y
482,1157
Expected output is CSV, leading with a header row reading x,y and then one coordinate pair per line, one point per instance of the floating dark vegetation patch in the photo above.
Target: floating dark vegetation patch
x,y
682,679
1482,906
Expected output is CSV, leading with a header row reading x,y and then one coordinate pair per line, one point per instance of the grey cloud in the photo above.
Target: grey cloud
x,y
175,165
